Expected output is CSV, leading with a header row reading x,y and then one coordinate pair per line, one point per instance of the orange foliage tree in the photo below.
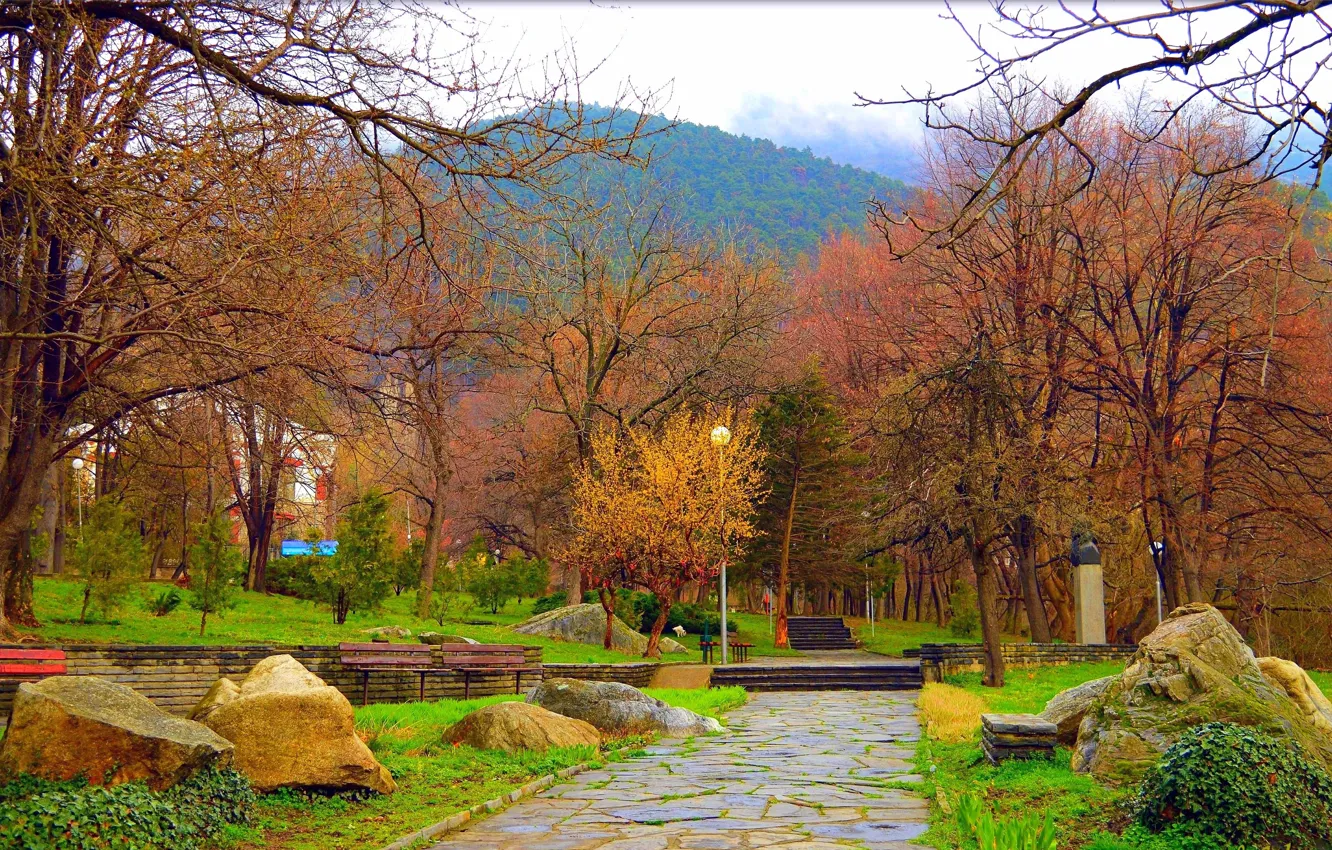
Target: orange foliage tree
x,y
657,509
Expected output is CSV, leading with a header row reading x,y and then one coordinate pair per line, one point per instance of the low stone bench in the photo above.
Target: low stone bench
x,y
1017,736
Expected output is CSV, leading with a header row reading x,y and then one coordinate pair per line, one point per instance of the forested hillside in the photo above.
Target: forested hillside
x,y
788,199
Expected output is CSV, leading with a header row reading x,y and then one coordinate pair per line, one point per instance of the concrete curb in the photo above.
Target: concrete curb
x,y
460,819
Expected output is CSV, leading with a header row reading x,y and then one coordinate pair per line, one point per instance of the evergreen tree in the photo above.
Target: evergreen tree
x,y
216,568
811,515
360,575
109,557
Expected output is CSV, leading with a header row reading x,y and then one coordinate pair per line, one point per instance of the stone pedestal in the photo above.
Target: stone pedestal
x,y
1017,736
1089,601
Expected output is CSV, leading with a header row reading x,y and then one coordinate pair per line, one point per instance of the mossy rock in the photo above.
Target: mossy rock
x,y
1194,669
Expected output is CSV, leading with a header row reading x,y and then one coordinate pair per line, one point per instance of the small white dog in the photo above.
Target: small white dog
x,y
679,631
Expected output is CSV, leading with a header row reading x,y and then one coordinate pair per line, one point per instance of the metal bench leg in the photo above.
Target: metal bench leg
x,y
467,684
365,688
518,681
423,675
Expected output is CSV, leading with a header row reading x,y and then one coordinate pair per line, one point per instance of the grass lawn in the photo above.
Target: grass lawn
x,y
259,618
892,636
1079,805
434,779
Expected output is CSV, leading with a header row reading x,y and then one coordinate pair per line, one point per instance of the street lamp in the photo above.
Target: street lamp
x,y
77,463
721,435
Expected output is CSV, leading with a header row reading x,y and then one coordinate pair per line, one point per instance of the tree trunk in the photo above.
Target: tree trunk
x,y
987,592
654,640
607,597
1024,542
430,556
782,640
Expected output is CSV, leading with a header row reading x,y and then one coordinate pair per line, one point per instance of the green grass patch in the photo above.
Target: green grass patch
x,y
272,619
891,637
434,779
1079,805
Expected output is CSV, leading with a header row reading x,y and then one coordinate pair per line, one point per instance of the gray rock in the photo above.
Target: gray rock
x,y
388,631
70,726
586,623
618,709
1067,709
436,639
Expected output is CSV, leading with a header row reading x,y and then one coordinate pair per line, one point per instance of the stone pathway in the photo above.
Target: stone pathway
x,y
796,771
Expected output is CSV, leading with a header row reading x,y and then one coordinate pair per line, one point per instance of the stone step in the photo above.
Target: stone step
x,y
867,677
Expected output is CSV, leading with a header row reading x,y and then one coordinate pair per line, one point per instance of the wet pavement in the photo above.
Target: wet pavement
x,y
796,771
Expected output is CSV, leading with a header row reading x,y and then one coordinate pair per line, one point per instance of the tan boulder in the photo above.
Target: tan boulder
x,y
1193,669
586,623
1306,696
293,731
1068,708
223,691
516,726
70,726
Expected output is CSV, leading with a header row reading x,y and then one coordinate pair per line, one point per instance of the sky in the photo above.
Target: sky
x,y
789,72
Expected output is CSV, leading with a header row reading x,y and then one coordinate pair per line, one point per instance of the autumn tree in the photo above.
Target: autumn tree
x,y
154,160
658,509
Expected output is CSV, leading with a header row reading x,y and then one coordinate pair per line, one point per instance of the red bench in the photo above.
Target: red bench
x,y
29,665
422,659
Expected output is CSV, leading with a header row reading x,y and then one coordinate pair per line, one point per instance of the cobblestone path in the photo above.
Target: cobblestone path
x,y
796,771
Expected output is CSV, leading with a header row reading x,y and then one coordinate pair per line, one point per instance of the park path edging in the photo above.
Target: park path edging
x,y
464,817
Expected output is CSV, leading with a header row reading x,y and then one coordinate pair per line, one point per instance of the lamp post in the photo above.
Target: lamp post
x,y
77,463
721,435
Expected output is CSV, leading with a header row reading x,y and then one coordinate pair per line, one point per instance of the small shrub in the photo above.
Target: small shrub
x,y
219,569
555,600
1031,832
1237,784
164,603
39,815
290,575
965,622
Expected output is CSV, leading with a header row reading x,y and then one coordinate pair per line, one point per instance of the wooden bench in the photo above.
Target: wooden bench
x,y
423,659
486,658
29,665
737,650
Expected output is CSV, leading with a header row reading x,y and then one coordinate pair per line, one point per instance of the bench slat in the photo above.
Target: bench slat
x,y
480,647
32,669
32,655
387,662
385,647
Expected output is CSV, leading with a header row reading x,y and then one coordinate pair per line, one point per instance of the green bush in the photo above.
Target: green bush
x,y
687,614
965,622
164,603
290,576
1237,784
39,815
549,603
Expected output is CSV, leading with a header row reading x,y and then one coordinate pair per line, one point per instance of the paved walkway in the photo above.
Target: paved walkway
x,y
796,771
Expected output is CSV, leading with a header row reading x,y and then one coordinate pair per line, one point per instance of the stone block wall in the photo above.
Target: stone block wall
x,y
176,677
938,660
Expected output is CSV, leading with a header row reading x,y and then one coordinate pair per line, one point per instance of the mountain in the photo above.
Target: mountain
x,y
784,198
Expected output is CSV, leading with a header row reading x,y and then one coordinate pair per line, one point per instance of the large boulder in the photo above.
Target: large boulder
x,y
1307,698
437,639
586,623
1067,709
517,726
1195,668
618,709
292,731
69,726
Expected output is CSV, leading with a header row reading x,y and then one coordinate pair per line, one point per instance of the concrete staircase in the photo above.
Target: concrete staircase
x,y
819,677
819,633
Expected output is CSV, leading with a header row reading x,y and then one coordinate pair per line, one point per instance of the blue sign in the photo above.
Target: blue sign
x,y
288,548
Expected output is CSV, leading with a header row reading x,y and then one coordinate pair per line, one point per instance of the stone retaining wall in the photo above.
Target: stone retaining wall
x,y
176,677
941,659
635,674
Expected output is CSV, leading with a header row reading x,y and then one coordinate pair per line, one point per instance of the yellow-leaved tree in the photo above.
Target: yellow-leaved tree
x,y
657,508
